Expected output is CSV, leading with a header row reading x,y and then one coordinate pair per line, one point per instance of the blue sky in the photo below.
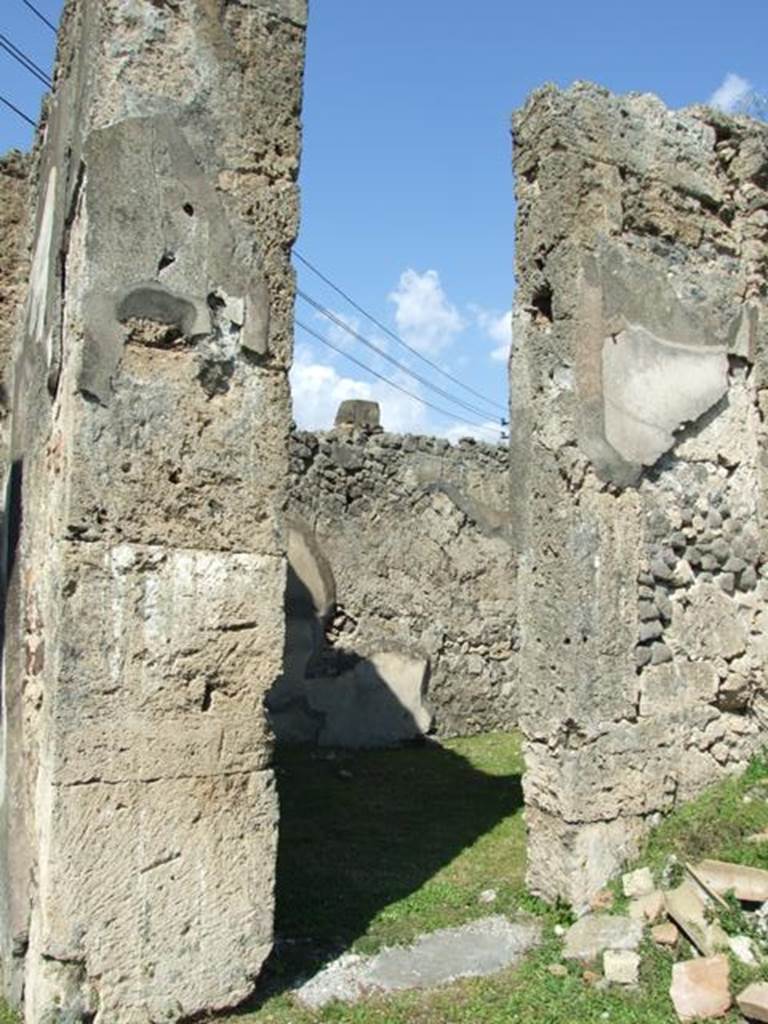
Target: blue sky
x,y
406,175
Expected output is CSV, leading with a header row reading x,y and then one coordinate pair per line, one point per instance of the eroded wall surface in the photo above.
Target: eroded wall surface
x,y
144,612
638,398
15,171
413,534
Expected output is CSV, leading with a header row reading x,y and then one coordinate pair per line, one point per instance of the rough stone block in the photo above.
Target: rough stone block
x,y
699,989
621,966
594,933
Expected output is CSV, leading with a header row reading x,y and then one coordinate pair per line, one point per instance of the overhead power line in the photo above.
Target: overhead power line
x,y
392,384
41,16
390,359
396,337
26,62
16,110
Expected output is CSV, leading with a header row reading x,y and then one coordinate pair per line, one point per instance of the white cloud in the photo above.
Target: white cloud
x,y
423,314
499,329
318,389
489,432
732,92
335,332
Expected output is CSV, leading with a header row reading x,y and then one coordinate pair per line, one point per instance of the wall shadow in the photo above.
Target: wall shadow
x,y
367,822
360,830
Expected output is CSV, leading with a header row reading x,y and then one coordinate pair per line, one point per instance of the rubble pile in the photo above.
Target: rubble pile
x,y
704,914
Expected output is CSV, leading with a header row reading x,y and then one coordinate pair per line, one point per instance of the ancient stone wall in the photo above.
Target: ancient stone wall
x,y
15,169
412,534
638,400
144,564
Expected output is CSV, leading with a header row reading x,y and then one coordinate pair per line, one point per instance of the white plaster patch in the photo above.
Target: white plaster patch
x,y
652,387
39,274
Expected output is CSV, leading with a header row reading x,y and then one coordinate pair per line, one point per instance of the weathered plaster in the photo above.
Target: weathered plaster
x,y
638,511
146,577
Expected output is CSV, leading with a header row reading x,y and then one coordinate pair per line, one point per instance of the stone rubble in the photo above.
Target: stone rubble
x,y
666,934
700,988
638,883
747,883
687,905
621,966
753,1001
592,934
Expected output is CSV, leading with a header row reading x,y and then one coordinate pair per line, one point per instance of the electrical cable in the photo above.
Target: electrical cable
x,y
392,335
41,16
390,359
392,384
17,111
21,58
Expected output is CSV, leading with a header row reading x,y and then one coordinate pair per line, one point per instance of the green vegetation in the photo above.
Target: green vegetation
x,y
378,847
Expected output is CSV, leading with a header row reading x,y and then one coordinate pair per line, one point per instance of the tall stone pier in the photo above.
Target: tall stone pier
x,y
144,564
638,466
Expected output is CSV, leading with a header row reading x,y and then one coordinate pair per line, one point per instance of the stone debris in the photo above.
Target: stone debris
x,y
741,947
648,908
558,970
687,906
602,900
700,989
747,883
472,950
638,883
592,935
753,1001
666,934
487,896
621,966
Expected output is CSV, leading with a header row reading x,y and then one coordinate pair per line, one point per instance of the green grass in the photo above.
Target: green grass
x,y
378,847
429,843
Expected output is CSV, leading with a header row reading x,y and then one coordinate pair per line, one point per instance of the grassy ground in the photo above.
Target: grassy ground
x,y
378,847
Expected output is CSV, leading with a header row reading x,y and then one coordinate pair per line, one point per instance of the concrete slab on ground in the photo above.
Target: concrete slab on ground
x,y
471,950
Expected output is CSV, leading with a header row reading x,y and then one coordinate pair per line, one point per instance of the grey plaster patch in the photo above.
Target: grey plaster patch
x,y
652,387
470,951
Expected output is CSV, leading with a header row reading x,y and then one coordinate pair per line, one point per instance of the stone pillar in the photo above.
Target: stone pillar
x,y
145,567
638,488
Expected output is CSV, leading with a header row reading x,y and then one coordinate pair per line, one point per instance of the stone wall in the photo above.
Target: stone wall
x,y
15,168
638,400
145,567
411,534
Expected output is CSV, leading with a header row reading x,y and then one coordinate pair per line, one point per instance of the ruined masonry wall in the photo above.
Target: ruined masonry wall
x,y
14,268
415,532
145,563
639,397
